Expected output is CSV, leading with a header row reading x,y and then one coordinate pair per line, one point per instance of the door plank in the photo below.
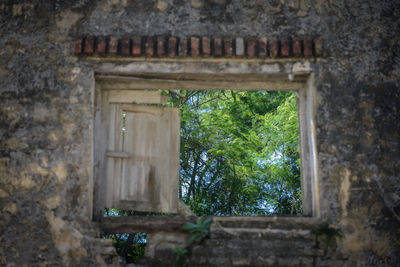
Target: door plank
x,y
140,97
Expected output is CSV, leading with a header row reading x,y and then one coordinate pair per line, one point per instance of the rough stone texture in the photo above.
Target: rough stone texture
x,y
46,119
252,241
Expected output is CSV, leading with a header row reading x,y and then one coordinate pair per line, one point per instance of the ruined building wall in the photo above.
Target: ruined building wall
x,y
46,113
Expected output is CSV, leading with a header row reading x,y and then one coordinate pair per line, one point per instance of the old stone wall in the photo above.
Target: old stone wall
x,y
257,241
46,114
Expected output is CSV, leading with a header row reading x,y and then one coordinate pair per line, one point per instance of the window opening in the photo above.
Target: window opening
x,y
131,247
239,152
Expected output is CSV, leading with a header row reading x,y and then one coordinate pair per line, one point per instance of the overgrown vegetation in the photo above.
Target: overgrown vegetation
x,y
129,246
239,152
198,232
330,233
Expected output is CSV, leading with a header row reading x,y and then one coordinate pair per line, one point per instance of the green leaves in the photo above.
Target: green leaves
x,y
239,152
329,232
181,255
198,230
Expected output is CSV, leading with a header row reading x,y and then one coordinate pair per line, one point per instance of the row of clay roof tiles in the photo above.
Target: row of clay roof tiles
x,y
160,46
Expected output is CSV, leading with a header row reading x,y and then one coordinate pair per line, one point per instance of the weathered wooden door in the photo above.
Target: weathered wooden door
x,y
142,165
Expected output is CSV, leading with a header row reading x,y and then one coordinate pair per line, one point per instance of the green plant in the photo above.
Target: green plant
x,y
181,255
198,230
329,232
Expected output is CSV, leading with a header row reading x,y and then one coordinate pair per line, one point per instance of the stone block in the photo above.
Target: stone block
x,y
89,45
125,46
273,48
113,46
183,47
324,262
239,42
172,41
194,47
160,46
296,42
228,47
149,47
284,47
240,262
78,46
262,46
217,47
163,241
288,261
251,47
101,45
307,42
318,47
136,46
206,47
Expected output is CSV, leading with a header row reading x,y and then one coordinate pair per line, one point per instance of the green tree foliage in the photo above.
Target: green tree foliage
x,y
239,152
129,246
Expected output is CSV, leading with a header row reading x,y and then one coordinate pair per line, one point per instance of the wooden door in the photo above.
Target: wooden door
x,y
142,158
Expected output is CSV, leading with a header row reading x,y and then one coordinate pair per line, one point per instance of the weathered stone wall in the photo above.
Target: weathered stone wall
x,y
46,114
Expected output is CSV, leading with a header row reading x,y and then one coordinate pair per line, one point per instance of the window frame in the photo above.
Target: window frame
x,y
214,75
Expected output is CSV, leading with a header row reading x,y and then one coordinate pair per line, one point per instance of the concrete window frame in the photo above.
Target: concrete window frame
x,y
217,74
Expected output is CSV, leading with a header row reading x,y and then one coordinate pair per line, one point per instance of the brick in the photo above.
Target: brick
x,y
101,45
318,47
149,47
113,46
206,47
285,47
89,45
136,46
182,48
217,47
251,47
125,46
239,42
228,47
172,46
262,47
160,46
194,46
273,47
78,46
296,47
307,47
